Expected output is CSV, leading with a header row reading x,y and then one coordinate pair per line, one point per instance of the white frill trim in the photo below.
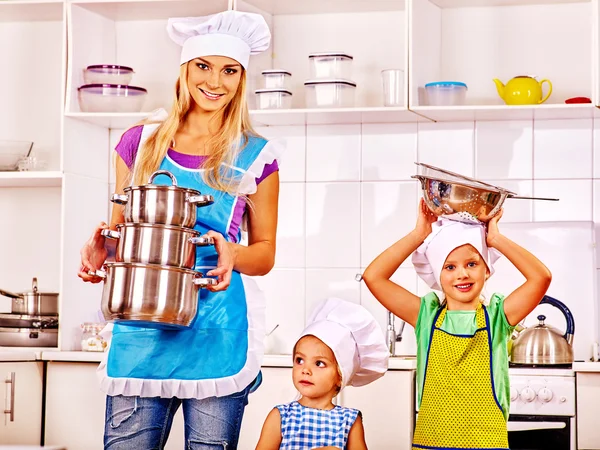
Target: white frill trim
x,y
272,151
200,389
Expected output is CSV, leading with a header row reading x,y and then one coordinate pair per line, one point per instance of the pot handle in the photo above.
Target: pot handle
x,y
202,241
205,282
568,316
201,200
10,294
119,199
111,234
98,273
163,172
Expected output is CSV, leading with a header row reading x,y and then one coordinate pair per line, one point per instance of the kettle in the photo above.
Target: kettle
x,y
523,90
543,344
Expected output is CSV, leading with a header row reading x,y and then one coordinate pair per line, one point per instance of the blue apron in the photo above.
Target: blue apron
x,y
190,363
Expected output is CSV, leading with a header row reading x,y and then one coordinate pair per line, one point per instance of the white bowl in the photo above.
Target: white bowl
x,y
107,74
111,98
329,93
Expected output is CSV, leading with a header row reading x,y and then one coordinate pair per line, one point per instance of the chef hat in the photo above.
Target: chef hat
x,y
446,235
234,34
355,338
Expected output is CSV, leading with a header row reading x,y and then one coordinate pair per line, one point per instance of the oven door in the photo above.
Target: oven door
x,y
541,432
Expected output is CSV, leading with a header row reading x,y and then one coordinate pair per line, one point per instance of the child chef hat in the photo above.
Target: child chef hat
x,y
355,338
234,34
446,235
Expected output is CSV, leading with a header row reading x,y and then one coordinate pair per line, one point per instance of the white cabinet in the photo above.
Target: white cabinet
x,y
588,401
21,395
387,407
74,401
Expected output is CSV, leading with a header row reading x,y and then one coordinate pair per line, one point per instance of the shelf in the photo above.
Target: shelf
x,y
31,179
110,120
31,11
152,9
505,112
320,6
485,3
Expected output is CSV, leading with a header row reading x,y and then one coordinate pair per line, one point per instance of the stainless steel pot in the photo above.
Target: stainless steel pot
x,y
543,344
33,303
157,244
158,204
448,193
151,295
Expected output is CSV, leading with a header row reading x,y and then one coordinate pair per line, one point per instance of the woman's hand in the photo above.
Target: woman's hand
x,y
424,220
93,255
227,257
492,229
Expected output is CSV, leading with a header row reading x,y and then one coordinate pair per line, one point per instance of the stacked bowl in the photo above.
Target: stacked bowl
x,y
152,282
330,84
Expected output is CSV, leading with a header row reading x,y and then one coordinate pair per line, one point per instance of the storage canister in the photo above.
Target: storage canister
x,y
273,99
334,93
276,79
330,65
446,93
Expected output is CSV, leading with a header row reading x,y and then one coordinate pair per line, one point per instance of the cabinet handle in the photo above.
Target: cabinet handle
x,y
11,410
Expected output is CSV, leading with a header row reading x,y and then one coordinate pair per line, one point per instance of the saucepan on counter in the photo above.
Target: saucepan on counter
x,y
157,244
161,204
150,295
33,303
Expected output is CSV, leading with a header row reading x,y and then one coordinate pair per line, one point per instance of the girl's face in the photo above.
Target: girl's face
x,y
463,277
213,81
315,371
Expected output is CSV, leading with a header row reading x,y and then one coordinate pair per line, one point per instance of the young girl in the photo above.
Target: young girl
x,y
462,358
343,345
207,142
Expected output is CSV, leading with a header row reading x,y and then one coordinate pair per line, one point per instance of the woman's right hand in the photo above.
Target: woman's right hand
x,y
93,255
424,220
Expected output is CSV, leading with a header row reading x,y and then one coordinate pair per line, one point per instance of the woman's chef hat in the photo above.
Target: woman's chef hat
x,y
234,34
446,235
355,338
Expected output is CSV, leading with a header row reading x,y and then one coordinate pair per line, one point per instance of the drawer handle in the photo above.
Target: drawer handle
x,y
11,409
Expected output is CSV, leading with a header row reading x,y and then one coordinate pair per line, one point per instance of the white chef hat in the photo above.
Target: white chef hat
x,y
355,338
234,34
446,235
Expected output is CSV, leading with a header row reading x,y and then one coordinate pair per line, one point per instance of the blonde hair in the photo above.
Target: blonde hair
x,y
225,145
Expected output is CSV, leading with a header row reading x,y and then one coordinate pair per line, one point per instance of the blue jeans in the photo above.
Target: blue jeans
x,y
142,423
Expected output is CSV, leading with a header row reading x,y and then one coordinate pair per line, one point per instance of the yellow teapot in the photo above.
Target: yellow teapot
x,y
523,90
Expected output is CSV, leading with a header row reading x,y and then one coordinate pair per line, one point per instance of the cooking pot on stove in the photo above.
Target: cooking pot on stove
x,y
33,303
161,204
543,344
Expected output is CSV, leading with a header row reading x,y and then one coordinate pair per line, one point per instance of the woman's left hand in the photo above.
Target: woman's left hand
x,y
225,263
492,229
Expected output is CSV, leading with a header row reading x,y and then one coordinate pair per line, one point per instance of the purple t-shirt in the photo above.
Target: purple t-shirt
x,y
127,149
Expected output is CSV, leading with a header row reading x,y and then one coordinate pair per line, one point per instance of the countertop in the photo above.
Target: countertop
x,y
395,363
587,366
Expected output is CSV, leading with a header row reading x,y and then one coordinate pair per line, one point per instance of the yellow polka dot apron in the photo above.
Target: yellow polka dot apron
x,y
459,408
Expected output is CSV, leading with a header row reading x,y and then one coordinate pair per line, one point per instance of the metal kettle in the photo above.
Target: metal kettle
x,y
543,344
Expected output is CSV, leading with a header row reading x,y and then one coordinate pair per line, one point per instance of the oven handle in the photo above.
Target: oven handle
x,y
530,426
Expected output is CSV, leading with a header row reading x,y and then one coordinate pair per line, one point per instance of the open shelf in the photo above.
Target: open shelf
x,y
31,11
31,179
486,3
322,6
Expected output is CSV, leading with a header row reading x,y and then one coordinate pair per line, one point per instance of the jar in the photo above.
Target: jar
x,y
91,341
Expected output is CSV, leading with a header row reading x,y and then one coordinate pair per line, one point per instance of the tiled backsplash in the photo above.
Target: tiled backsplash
x,y
347,194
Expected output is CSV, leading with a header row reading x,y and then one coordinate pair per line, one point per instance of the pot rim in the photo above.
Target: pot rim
x,y
159,226
160,187
136,265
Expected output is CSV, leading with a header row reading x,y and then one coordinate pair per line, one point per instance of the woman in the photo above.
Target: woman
x,y
208,144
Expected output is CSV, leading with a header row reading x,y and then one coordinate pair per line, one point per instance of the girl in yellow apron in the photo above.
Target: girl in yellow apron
x,y
462,358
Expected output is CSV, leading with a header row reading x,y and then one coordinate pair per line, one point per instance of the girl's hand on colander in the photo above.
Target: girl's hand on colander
x,y
424,220
492,229
225,263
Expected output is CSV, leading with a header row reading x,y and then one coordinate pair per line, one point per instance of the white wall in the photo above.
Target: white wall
x,y
346,195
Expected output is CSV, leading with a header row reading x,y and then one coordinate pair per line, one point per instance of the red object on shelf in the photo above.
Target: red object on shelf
x,y
578,100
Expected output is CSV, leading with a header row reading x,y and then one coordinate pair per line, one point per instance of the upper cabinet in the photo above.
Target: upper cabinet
x,y
477,41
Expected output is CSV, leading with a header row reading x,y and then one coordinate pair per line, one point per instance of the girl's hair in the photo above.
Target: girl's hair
x,y
337,366
233,134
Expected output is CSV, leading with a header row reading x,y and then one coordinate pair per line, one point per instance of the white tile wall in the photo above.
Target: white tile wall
x,y
346,195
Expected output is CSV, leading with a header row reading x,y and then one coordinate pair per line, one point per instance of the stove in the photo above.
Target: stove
x,y
542,408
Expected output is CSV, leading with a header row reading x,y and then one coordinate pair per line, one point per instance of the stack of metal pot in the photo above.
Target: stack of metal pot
x,y
152,282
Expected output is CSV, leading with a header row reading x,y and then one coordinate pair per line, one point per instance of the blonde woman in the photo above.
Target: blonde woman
x,y
208,144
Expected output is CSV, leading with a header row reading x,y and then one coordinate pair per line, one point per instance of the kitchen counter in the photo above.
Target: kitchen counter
x,y
8,354
587,366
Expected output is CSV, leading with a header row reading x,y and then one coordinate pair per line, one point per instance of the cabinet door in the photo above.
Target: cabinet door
x,y
588,399
276,388
388,408
22,395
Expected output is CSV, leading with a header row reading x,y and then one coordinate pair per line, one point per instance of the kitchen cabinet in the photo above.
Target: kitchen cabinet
x,y
21,394
588,399
74,401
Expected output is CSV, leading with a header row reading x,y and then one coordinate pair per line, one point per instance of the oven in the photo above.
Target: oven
x,y
542,409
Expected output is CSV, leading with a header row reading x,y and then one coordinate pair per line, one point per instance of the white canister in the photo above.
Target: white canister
x,y
273,99
329,93
330,65
276,79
